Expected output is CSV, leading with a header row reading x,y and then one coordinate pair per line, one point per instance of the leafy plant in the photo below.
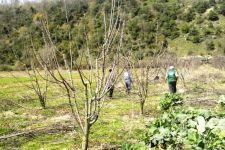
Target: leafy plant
x,y
187,129
169,100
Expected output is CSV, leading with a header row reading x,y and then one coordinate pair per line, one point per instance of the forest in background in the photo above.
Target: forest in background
x,y
182,27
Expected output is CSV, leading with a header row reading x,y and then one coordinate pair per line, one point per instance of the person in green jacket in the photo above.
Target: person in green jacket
x,y
172,77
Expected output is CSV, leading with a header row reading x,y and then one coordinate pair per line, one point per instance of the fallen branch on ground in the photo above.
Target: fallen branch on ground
x,y
35,132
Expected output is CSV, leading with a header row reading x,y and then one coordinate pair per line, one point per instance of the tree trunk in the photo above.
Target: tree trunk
x,y
142,108
87,126
85,140
42,102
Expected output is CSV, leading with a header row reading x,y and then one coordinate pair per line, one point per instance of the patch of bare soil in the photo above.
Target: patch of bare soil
x,y
201,102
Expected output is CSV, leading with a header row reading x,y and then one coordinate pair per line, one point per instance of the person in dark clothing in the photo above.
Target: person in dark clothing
x,y
111,84
171,77
111,90
173,87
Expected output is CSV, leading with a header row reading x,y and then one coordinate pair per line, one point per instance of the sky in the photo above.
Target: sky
x,y
22,1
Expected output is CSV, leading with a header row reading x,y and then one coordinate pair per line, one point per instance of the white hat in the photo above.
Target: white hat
x,y
171,67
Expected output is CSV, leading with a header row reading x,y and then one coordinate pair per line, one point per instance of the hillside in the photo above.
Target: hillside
x,y
180,26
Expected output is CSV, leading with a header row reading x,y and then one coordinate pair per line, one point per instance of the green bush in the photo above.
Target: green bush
x,y
213,16
185,28
195,39
207,31
218,31
139,55
210,25
210,45
169,100
212,2
202,6
222,9
194,35
193,31
200,20
189,16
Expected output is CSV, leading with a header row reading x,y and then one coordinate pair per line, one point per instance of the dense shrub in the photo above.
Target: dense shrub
x,y
194,35
134,28
212,2
169,100
195,39
200,20
185,28
218,31
210,25
207,31
189,16
222,9
202,6
210,45
213,16
193,31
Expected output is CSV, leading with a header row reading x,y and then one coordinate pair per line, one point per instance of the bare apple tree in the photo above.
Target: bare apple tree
x,y
39,86
36,84
86,101
145,74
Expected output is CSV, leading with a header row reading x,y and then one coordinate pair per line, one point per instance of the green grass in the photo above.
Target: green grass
x,y
119,122
49,142
183,47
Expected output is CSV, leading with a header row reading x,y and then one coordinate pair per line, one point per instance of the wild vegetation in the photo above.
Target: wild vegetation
x,y
150,25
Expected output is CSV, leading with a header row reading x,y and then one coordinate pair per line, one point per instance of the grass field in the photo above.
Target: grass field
x,y
120,121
